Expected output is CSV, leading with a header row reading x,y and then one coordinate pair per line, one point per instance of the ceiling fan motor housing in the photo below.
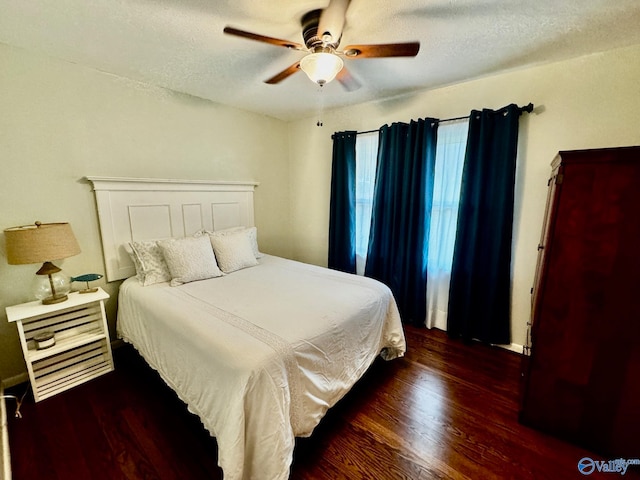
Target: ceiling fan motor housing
x,y
312,40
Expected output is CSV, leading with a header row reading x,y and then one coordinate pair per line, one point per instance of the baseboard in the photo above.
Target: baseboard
x,y
514,347
16,380
5,458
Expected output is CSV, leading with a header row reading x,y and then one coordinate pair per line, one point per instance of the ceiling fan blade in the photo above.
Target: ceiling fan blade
x,y
409,49
332,21
262,38
347,80
277,78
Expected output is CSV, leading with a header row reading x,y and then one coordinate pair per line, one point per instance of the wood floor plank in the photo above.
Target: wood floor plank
x,y
447,410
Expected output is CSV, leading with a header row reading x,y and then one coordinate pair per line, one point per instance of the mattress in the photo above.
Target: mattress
x,y
261,354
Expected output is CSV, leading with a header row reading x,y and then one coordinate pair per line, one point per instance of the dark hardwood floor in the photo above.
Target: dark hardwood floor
x,y
446,410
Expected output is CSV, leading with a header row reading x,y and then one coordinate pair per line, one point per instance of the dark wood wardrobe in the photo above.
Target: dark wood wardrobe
x,y
582,379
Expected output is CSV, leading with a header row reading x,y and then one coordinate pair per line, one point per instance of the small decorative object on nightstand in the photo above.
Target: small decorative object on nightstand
x,y
87,277
75,347
45,339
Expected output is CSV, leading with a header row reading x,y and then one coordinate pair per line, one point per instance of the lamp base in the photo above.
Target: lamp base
x,y
51,284
54,299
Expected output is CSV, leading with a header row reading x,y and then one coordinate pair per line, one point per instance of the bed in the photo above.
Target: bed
x,y
260,352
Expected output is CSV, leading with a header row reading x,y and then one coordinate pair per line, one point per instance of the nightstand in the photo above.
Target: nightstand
x,y
82,350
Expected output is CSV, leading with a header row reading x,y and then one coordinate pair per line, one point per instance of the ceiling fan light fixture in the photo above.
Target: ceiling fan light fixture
x,y
321,67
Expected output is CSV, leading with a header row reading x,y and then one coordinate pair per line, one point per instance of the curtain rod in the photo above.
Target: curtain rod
x,y
527,108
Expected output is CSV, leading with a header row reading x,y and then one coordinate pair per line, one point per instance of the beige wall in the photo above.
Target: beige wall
x,y
589,102
60,122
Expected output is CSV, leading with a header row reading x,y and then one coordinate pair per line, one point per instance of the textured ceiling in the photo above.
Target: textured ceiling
x,y
179,44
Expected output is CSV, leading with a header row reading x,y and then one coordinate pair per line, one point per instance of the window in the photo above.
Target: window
x,y
366,160
450,150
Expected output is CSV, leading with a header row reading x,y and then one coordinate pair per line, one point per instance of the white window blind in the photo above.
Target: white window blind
x,y
450,150
366,160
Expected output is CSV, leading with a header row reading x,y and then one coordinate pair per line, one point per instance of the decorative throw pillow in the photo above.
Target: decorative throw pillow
x,y
233,251
189,259
149,262
250,232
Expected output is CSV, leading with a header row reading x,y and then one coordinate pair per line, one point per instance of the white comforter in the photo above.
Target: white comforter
x,y
262,353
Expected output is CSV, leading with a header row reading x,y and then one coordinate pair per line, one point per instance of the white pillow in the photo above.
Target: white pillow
x,y
233,251
189,259
149,262
250,232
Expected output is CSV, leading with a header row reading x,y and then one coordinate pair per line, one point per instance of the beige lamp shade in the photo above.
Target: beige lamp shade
x,y
40,242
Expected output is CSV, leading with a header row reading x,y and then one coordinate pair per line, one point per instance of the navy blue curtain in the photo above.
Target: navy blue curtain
x,y
403,194
342,209
479,294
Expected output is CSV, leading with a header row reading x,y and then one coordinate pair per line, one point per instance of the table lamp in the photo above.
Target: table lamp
x,y
43,242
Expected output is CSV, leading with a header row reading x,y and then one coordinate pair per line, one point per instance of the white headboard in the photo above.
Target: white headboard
x,y
133,209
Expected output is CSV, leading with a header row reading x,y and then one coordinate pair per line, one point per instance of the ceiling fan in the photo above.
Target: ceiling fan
x,y
322,31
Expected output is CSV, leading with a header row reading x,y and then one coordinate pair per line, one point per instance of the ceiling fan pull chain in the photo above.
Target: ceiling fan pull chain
x,y
320,89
